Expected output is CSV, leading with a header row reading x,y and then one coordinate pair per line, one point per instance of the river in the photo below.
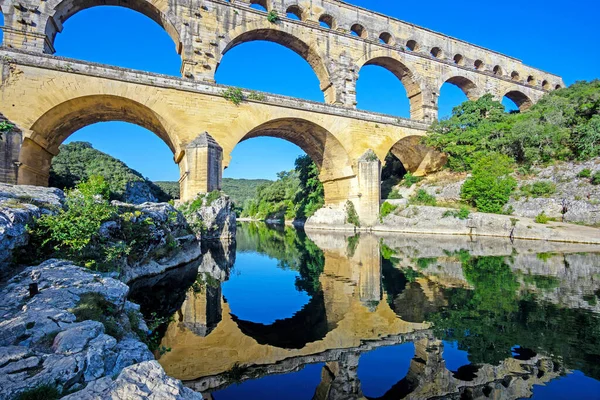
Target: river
x,y
286,315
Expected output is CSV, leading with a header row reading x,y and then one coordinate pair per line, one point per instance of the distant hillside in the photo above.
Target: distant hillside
x,y
77,161
239,190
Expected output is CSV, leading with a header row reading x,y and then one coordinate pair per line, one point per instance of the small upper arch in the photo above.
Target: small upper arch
x,y
386,38
359,30
546,85
327,21
295,12
459,59
498,71
412,45
262,5
515,76
479,65
437,52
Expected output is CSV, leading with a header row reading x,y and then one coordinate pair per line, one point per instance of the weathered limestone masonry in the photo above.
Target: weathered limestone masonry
x,y
49,98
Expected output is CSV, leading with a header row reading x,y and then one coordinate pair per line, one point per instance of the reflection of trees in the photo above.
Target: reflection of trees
x,y
290,247
491,319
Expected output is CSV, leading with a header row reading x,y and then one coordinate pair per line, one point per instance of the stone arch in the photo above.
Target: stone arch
x,y
412,45
359,30
62,10
386,38
297,11
520,99
297,45
417,158
409,79
322,147
58,123
328,21
465,84
266,4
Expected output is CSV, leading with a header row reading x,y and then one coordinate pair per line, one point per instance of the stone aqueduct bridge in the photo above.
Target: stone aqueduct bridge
x,y
48,98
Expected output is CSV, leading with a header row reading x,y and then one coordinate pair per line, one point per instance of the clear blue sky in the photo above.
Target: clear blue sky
x,y
551,35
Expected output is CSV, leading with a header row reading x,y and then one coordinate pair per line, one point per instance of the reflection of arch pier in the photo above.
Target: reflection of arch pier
x,y
48,98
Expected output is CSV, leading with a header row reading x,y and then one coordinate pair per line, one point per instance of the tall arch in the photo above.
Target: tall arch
x,y
62,10
522,101
58,123
409,80
289,41
468,87
322,147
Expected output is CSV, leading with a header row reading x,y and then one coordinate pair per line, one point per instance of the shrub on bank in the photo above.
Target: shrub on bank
x,y
490,186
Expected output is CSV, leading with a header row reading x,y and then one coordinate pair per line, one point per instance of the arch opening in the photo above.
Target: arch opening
x,y
436,52
479,65
412,45
1,25
65,9
289,42
515,76
59,123
358,30
531,80
324,149
386,38
545,85
453,92
516,101
408,82
260,5
459,59
294,12
498,71
327,21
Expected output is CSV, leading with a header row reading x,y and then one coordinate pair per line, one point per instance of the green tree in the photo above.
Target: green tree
x,y
490,186
311,195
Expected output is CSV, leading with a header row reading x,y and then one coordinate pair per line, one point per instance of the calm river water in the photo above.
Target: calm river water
x,y
283,315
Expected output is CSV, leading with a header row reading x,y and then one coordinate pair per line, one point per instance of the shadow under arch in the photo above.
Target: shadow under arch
x,y
156,10
522,101
58,123
416,157
306,326
291,42
408,78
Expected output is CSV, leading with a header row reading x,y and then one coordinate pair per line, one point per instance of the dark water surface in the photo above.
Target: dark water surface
x,y
283,315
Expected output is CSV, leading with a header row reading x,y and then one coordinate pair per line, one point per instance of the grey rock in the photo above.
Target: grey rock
x,y
146,380
217,219
138,193
76,337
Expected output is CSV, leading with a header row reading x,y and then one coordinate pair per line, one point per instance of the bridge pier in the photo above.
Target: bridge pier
x,y
369,188
201,167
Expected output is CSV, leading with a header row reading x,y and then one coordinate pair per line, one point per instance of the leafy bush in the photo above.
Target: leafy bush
x,y
585,173
542,218
462,213
42,392
272,16
490,186
596,178
539,189
387,209
563,125
256,96
234,95
351,214
94,306
421,197
5,127
409,180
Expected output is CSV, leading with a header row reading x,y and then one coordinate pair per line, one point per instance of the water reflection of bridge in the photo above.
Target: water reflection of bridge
x,y
352,314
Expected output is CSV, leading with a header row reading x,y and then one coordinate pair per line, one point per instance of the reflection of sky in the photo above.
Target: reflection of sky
x,y
299,385
572,386
454,357
259,291
380,369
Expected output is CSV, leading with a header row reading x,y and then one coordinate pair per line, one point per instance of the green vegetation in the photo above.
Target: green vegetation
x,y
542,282
490,186
42,392
94,306
386,209
272,16
351,214
539,189
585,173
234,95
5,127
295,194
596,178
542,218
78,161
409,180
256,96
462,213
170,189
422,198
563,125
74,232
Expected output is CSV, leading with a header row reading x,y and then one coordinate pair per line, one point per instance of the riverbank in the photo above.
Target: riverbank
x,y
447,221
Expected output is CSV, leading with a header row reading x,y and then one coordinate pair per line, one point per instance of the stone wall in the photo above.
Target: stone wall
x,y
10,148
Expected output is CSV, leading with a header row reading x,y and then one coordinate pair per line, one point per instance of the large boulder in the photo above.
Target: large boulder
x,y
138,193
212,218
19,206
